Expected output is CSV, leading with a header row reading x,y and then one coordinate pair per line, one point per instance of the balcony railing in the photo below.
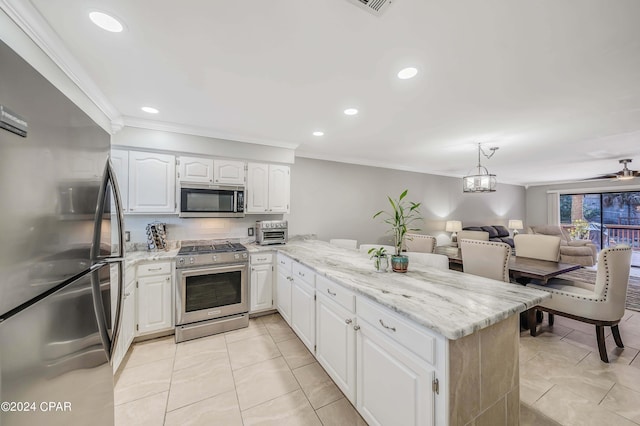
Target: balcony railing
x,y
624,234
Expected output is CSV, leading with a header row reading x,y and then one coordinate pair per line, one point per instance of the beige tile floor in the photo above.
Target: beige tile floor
x,y
259,375
264,375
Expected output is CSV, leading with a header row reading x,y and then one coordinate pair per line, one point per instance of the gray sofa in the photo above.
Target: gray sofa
x,y
497,233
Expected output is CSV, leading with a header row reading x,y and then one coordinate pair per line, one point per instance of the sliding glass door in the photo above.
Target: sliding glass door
x,y
607,218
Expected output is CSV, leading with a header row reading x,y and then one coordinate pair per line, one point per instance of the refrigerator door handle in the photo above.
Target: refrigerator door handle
x,y
109,344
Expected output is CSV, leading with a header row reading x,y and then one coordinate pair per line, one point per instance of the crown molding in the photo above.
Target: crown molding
x,y
200,131
27,17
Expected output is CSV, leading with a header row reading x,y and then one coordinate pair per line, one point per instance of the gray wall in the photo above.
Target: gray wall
x,y
338,200
536,196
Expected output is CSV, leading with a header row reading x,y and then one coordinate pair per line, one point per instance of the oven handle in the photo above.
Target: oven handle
x,y
188,272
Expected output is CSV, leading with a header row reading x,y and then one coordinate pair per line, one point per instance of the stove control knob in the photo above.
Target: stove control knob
x,y
215,257
181,261
236,256
192,260
244,255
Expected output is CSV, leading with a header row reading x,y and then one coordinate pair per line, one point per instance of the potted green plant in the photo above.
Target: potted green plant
x,y
402,215
380,260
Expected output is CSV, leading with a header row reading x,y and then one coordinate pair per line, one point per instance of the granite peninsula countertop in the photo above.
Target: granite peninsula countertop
x,y
447,302
132,258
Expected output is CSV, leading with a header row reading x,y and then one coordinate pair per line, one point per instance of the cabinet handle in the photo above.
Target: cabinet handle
x,y
154,269
290,278
168,278
348,321
356,327
387,327
127,294
329,291
301,274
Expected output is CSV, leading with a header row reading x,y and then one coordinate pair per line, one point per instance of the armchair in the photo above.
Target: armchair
x,y
582,252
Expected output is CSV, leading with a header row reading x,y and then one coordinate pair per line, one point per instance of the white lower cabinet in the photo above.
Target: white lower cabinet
x,y
394,385
387,366
261,282
128,318
336,343
283,287
303,312
155,302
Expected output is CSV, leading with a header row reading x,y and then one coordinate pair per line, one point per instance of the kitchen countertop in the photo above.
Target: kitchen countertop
x,y
133,258
448,302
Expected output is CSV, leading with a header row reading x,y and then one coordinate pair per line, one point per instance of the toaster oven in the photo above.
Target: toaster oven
x,y
271,232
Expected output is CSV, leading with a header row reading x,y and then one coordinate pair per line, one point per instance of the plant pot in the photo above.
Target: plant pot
x,y
399,263
381,263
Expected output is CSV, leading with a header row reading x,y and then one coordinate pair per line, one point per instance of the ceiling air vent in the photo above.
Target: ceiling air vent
x,y
377,7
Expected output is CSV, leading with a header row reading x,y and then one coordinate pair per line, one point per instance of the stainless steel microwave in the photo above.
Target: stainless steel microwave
x,y
211,201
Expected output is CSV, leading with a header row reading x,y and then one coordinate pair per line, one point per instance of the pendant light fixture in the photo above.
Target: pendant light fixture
x,y
482,181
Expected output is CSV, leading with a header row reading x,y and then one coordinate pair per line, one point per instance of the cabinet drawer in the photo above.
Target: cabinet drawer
x,y
159,268
284,262
261,259
399,329
336,292
304,273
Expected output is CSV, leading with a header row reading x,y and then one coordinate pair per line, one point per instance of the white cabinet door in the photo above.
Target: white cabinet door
x,y
120,163
257,188
279,180
303,312
128,323
283,294
394,385
336,344
154,303
152,181
228,172
196,169
261,287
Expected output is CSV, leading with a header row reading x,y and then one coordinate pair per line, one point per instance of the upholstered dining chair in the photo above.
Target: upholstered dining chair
x,y
537,246
601,304
438,261
419,243
344,243
488,259
366,247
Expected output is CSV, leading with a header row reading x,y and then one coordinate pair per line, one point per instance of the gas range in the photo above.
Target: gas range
x,y
211,254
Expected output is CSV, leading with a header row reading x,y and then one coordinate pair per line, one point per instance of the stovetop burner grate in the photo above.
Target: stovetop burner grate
x,y
211,248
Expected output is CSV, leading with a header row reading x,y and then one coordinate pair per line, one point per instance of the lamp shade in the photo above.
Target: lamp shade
x,y
453,226
515,224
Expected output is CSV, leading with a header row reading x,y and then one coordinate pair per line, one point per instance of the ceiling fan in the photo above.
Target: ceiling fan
x,y
624,174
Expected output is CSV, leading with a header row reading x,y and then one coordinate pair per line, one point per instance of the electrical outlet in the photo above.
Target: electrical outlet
x,y
250,232
127,236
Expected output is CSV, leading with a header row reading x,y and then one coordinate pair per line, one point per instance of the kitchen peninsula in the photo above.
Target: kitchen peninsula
x,y
425,347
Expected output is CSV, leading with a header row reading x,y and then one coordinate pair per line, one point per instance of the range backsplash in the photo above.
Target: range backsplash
x,y
193,229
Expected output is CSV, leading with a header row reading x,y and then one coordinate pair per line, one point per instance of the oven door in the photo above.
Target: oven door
x,y
211,292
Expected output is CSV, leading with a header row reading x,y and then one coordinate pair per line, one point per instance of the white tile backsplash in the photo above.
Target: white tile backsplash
x,y
193,228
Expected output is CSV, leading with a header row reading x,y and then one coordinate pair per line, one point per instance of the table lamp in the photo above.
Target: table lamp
x,y
453,226
515,225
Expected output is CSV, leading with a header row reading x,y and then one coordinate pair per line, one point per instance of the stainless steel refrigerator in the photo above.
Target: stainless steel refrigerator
x,y
61,251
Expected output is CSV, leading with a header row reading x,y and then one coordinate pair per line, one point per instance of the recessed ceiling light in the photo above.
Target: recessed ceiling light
x,y
150,110
351,111
106,22
318,133
407,73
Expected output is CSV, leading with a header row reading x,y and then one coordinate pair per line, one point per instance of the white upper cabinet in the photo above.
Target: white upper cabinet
x,y
228,172
278,188
196,169
152,180
120,163
267,188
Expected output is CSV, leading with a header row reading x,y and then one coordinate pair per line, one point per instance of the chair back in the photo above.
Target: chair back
x,y
612,280
437,261
538,246
488,259
473,235
556,230
364,248
344,243
419,243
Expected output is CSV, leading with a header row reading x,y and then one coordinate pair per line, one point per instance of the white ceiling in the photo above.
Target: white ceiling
x,y
554,84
